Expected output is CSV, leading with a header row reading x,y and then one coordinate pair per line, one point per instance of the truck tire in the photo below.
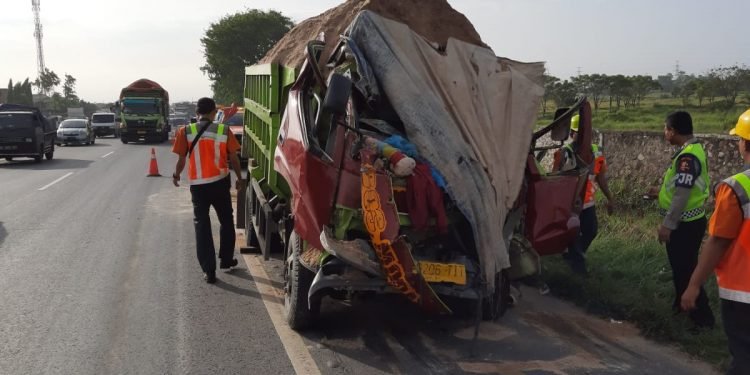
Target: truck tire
x,y
50,154
495,305
124,140
8,158
297,281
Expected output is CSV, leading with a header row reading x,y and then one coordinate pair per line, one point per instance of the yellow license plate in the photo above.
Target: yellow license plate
x,y
443,272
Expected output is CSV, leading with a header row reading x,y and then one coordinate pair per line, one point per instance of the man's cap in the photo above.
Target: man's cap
x,y
205,106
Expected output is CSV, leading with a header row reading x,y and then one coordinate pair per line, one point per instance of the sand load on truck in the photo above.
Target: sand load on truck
x,y
436,20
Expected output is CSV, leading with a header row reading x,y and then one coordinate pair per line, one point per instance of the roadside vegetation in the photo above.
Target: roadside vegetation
x,y
714,98
630,279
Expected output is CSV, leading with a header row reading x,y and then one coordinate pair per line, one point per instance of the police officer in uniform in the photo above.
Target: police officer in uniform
x,y
727,251
682,196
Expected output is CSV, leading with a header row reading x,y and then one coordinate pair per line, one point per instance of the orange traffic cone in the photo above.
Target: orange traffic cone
x,y
153,169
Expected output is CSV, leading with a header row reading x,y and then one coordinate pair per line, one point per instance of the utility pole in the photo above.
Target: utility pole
x,y
677,69
38,36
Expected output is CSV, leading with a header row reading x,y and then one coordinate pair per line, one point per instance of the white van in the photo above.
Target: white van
x,y
104,123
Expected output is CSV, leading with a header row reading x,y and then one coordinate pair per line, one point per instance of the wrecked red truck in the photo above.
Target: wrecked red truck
x,y
391,165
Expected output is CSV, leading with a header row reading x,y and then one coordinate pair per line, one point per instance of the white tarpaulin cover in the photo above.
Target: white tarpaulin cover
x,y
470,113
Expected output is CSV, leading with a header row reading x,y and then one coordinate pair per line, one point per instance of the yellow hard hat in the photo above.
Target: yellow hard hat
x,y
742,129
574,122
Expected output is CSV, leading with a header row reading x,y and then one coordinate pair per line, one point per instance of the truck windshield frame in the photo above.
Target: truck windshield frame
x,y
103,118
16,120
141,107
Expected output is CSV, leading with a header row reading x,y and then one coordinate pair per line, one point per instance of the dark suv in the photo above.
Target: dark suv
x,y
24,132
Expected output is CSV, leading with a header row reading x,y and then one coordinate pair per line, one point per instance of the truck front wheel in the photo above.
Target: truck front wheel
x,y
124,140
297,281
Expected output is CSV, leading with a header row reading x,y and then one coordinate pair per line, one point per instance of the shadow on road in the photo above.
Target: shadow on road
x,y
235,289
46,164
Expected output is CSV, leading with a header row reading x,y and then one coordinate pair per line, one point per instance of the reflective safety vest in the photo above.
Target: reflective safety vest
x,y
208,161
589,198
694,209
733,271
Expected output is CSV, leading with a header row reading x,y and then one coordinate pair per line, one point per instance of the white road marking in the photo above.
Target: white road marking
x,y
107,154
56,181
296,350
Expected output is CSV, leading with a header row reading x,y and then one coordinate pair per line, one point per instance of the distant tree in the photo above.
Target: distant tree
x,y
236,41
666,82
641,86
9,98
20,93
88,108
564,93
730,81
686,89
47,81
701,89
620,89
549,87
594,86
58,103
69,90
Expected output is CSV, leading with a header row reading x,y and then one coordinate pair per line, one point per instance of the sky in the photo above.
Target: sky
x,y
107,44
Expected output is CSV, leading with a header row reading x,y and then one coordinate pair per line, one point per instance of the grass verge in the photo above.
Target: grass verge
x,y
630,279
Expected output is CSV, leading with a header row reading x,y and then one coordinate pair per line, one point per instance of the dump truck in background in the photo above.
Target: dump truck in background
x,y
143,112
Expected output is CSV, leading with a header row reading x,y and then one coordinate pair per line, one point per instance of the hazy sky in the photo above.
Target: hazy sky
x,y
107,44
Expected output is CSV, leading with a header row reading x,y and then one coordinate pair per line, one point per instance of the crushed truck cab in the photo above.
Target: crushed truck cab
x,y
390,166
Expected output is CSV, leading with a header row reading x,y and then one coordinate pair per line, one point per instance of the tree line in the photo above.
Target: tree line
x,y
54,102
628,91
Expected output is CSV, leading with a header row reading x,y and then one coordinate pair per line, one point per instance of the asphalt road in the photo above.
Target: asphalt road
x,y
98,276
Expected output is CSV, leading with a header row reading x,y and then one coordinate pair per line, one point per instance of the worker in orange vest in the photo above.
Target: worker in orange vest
x,y
565,159
207,146
727,251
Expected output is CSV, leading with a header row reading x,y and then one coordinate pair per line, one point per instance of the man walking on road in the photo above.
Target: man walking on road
x,y
565,159
727,251
682,195
207,146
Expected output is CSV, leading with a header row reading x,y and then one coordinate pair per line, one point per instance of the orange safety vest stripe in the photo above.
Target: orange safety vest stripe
x,y
588,199
208,162
732,272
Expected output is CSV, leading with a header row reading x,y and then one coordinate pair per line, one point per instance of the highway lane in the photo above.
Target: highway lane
x,y
98,274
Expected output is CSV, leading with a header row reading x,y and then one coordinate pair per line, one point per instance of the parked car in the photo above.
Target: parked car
x,y
24,132
104,123
75,131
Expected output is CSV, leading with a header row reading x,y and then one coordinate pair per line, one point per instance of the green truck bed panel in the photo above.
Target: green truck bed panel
x,y
266,87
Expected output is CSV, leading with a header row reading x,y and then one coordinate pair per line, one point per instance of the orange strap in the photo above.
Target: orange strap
x,y
375,222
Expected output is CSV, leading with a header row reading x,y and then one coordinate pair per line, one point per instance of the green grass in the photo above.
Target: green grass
x,y
630,279
707,118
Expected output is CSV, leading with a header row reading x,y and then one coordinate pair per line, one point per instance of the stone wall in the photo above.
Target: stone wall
x,y
639,159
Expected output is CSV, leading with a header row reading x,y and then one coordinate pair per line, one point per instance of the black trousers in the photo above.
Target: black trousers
x,y
736,318
682,250
576,255
204,196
